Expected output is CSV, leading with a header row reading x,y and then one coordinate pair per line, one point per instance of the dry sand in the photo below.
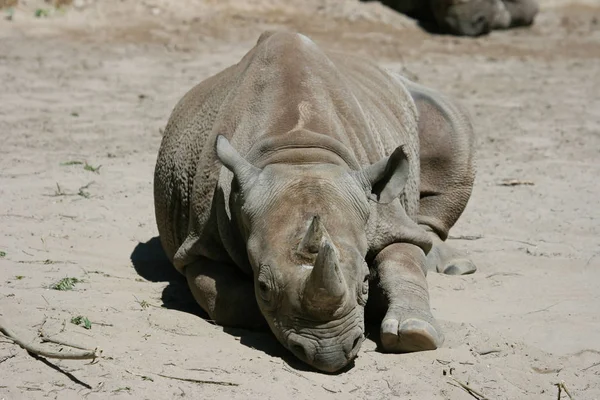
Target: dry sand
x,y
96,83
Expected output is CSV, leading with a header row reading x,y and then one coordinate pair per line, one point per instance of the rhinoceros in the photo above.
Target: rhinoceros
x,y
300,187
469,17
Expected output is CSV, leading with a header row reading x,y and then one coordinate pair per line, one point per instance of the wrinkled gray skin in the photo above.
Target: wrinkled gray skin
x,y
287,180
470,17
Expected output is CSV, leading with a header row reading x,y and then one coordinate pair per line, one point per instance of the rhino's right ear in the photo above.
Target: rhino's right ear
x,y
243,171
387,177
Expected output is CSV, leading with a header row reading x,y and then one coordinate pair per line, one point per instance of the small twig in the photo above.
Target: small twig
x,y
35,349
100,323
546,370
505,239
515,182
208,370
46,262
48,339
7,358
503,274
488,351
566,390
30,388
466,237
591,366
330,390
561,385
580,352
590,259
559,390
470,390
285,367
145,377
477,237
543,309
520,241
200,381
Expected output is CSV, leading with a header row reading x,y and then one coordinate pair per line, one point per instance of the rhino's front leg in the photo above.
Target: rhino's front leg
x,y
401,290
224,293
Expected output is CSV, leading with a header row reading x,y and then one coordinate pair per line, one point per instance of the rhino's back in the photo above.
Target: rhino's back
x,y
361,106
391,116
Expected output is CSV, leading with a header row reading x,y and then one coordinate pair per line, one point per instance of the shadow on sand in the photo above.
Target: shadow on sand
x,y
151,263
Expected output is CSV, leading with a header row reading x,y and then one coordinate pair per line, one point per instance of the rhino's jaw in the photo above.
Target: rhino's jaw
x,y
329,346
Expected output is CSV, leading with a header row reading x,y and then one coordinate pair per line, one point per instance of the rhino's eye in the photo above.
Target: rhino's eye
x,y
265,283
364,291
264,288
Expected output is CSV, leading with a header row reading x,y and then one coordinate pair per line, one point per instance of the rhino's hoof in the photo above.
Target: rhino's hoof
x,y
461,266
411,335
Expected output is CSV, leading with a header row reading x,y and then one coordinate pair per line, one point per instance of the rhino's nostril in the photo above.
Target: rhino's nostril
x,y
355,345
298,350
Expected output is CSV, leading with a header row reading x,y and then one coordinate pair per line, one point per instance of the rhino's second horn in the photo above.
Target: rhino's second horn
x,y
312,240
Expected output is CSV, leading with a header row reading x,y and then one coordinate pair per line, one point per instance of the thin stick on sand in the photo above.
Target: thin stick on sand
x,y
470,390
200,381
80,354
561,386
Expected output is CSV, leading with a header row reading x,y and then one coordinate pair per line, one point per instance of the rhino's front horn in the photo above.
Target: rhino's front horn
x,y
326,283
312,240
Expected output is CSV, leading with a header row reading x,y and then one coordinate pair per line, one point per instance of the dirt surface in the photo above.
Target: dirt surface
x,y
96,82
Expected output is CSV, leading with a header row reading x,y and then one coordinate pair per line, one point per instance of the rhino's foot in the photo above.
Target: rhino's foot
x,y
444,259
416,333
408,324
460,266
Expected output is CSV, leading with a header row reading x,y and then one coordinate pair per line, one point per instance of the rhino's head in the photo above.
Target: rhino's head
x,y
305,231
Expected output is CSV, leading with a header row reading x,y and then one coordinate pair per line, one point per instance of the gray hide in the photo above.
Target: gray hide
x,y
277,96
287,180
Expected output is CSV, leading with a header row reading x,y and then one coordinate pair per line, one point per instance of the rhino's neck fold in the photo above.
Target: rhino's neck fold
x,y
301,146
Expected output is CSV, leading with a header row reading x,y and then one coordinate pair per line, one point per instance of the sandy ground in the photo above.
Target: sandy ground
x,y
96,84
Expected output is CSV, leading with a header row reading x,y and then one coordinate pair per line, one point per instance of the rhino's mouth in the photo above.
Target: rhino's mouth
x,y
329,346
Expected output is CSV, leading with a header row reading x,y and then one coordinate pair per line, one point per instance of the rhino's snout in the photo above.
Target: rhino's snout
x,y
329,355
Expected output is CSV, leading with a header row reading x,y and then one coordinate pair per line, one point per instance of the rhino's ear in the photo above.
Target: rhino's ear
x,y
243,171
387,177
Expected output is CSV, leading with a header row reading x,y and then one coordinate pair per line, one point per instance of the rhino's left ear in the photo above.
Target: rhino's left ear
x,y
244,172
387,177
